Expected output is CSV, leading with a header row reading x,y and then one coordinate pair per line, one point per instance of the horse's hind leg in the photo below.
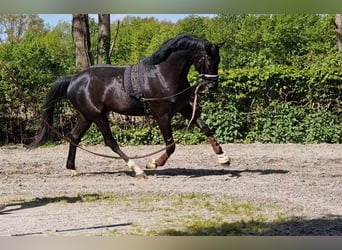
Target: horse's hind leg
x,y
221,156
75,136
103,125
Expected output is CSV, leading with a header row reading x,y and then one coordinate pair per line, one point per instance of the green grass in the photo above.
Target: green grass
x,y
181,214
218,227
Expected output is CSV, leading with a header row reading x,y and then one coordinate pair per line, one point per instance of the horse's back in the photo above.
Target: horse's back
x,y
109,69
97,75
108,66
100,88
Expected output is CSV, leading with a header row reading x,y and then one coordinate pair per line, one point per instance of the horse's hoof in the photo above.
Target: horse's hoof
x,y
137,171
142,175
151,164
73,173
223,159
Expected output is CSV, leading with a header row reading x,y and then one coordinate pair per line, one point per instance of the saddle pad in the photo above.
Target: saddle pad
x,y
132,82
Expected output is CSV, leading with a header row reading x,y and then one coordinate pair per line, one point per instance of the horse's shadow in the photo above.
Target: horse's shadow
x,y
193,173
39,202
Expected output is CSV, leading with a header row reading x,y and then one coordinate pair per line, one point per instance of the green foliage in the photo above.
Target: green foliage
x,y
127,133
322,126
283,104
285,123
225,120
262,86
194,25
189,136
280,78
138,38
35,62
278,124
13,27
143,135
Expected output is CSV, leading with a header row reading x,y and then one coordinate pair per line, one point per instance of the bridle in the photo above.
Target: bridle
x,y
207,77
204,76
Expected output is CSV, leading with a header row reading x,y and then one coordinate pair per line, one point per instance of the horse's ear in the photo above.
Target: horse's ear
x,y
219,45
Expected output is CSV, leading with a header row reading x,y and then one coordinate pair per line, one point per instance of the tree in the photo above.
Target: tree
x,y
194,25
28,67
81,38
338,26
14,27
103,45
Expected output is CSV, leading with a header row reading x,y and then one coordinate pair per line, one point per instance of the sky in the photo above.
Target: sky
x,y
54,19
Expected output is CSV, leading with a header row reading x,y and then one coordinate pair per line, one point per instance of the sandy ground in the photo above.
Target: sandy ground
x,y
42,196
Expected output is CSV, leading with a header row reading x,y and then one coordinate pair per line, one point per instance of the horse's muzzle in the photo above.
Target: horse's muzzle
x,y
210,81
211,85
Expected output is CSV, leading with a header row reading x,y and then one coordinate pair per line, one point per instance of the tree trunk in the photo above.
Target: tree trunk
x,y
338,26
112,46
103,46
81,38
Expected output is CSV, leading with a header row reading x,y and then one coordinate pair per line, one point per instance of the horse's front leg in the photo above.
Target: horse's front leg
x,y
164,123
221,156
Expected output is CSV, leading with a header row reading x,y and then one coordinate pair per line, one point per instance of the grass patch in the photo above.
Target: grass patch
x,y
203,214
180,214
217,227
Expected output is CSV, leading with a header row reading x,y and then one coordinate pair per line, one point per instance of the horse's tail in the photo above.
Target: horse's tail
x,y
56,93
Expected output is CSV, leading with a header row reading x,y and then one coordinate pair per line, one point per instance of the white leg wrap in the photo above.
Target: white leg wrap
x,y
223,158
151,164
132,166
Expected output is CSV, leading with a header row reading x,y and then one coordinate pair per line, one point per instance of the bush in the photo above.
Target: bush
x,y
225,120
322,126
279,124
285,123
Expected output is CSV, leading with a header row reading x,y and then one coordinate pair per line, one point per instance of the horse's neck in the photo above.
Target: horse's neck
x,y
179,62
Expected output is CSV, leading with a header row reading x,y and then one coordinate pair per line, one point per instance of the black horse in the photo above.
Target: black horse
x,y
157,83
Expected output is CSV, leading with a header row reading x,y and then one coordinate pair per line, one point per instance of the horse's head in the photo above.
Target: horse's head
x,y
201,53
206,63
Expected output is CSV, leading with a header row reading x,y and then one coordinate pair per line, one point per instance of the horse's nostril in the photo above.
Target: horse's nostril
x,y
212,85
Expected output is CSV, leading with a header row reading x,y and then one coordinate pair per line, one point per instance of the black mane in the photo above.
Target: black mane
x,y
181,42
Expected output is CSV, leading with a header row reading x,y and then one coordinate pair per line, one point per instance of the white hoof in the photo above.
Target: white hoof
x,y
223,159
73,173
151,164
135,168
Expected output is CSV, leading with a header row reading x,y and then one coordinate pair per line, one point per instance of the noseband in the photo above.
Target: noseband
x,y
209,77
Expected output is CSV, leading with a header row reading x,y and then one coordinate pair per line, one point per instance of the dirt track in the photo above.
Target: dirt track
x,y
299,181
